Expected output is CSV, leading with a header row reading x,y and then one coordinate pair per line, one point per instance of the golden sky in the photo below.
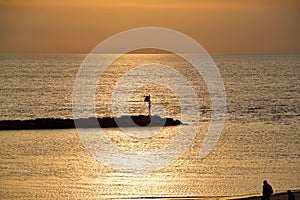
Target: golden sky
x,y
221,26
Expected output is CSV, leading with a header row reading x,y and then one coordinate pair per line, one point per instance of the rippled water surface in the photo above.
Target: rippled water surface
x,y
260,139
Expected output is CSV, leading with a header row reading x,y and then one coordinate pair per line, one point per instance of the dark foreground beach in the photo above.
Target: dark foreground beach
x,y
277,196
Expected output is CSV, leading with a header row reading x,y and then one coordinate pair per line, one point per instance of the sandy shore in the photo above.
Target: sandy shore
x,y
277,196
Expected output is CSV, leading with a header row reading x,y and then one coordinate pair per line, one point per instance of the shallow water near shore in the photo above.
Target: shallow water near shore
x,y
55,164
260,139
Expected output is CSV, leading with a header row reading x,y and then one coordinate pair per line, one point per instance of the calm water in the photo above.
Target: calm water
x,y
260,139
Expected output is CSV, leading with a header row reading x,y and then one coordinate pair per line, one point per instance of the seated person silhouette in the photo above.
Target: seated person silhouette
x,y
291,195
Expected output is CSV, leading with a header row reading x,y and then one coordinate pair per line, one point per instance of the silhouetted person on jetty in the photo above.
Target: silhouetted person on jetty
x,y
291,195
147,99
267,191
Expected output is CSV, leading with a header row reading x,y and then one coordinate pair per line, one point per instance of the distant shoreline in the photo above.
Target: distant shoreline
x,y
92,122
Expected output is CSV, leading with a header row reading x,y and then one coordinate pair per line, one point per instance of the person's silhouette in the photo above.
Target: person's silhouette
x,y
291,195
267,191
